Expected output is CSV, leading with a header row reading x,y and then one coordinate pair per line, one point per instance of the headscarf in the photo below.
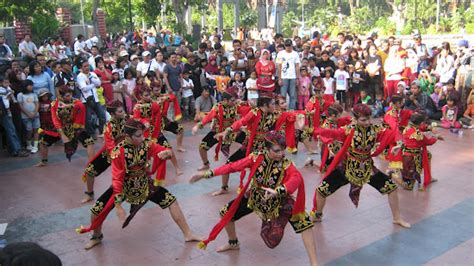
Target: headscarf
x,y
264,61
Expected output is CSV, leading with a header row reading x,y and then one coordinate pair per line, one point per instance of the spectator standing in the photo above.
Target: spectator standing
x,y
374,68
445,63
188,99
288,62
6,97
146,65
173,79
87,83
41,79
29,105
342,82
105,76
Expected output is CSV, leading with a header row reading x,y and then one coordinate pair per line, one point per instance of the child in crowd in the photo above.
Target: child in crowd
x,y
47,129
378,106
252,90
450,113
358,79
402,88
468,118
437,94
316,84
365,98
304,85
188,99
28,101
342,82
313,69
129,83
6,98
117,87
239,85
329,87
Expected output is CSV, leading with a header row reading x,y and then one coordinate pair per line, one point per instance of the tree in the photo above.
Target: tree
x,y
23,9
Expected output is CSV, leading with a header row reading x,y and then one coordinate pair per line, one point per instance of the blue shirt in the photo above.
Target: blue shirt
x,y
41,81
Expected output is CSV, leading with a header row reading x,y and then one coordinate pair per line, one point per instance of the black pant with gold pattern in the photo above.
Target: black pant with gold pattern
x,y
380,181
158,195
243,210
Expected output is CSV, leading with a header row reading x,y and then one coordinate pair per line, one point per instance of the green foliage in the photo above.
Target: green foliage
x,y
470,28
288,24
385,26
42,27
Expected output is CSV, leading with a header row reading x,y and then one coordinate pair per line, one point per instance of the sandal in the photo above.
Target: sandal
x,y
94,241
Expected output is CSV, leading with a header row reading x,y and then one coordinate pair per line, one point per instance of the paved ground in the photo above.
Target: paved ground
x,y
42,205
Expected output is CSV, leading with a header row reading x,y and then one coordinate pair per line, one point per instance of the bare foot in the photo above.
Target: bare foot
x,y
203,167
309,162
192,238
433,180
181,149
402,223
41,164
87,199
220,192
179,171
228,247
312,152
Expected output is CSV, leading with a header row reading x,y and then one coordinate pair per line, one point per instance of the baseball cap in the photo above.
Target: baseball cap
x,y
133,57
123,53
416,82
43,92
288,42
146,53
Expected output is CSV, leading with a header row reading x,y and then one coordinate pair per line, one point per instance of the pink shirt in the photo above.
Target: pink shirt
x,y
305,85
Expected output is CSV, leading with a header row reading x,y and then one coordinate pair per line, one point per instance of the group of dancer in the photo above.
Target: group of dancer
x,y
270,184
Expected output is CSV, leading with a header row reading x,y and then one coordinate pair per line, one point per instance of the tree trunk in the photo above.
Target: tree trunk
x,y
262,14
95,6
220,18
180,9
351,6
236,16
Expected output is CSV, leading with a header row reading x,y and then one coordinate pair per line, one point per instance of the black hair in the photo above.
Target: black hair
x,y
32,67
25,84
98,60
28,253
236,41
38,55
264,101
202,45
396,99
417,118
55,64
128,71
278,35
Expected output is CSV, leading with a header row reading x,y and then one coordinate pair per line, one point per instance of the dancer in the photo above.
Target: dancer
x,y
416,157
258,121
267,192
68,117
222,115
131,182
353,163
150,113
113,134
330,147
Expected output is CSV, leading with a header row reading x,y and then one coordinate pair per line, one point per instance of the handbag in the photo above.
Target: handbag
x,y
272,231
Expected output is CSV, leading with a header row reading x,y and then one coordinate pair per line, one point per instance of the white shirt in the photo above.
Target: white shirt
x,y
328,86
188,86
341,77
8,53
158,66
6,93
288,62
143,68
79,47
88,85
251,85
91,61
130,84
314,72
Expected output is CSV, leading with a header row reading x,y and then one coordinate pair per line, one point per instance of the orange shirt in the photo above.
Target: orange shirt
x,y
470,110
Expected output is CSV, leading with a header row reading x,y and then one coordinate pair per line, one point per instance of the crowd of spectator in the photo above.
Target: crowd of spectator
x,y
348,70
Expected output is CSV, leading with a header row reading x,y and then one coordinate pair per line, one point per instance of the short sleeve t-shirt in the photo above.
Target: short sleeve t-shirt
x,y
288,63
173,76
252,92
28,102
187,88
341,77
328,85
